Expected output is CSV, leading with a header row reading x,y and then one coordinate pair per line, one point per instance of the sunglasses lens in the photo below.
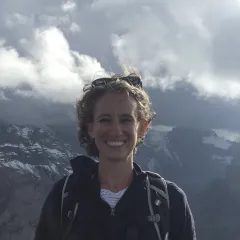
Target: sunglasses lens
x,y
135,81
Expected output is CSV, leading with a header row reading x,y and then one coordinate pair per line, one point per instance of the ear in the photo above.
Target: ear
x,y
90,130
143,127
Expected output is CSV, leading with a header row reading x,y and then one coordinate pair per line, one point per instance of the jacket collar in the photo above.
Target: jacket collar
x,y
85,165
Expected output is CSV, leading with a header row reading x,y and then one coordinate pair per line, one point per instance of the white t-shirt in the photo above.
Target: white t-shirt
x,y
111,198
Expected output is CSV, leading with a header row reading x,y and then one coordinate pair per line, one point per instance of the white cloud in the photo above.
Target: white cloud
x,y
208,84
103,4
183,38
68,6
228,135
74,28
16,19
51,70
3,97
14,70
168,41
52,20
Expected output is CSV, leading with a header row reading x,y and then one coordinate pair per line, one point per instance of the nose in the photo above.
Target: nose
x,y
116,128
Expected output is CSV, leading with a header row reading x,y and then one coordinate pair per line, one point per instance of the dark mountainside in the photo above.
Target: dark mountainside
x,y
205,165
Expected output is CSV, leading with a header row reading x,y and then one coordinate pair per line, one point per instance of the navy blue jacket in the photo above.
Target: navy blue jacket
x,y
93,222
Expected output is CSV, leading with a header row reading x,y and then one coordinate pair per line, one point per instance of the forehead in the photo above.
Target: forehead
x,y
117,103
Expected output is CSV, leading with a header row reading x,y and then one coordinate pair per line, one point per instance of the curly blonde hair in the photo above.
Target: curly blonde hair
x,y
85,109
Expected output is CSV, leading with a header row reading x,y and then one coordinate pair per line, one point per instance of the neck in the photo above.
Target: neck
x,y
115,176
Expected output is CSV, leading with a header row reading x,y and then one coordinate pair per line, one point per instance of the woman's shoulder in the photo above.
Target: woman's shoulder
x,y
177,195
174,189
182,221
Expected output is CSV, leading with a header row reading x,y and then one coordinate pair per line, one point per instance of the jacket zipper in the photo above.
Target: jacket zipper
x,y
112,212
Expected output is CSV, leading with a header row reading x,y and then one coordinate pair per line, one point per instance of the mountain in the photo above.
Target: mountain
x,y
31,160
204,163
181,154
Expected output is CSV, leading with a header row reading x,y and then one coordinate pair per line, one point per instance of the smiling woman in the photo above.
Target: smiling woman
x,y
113,198
110,103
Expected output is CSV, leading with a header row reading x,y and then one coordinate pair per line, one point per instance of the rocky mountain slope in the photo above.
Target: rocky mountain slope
x,y
203,163
206,164
31,159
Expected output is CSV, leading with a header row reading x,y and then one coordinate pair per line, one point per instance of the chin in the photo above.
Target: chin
x,y
116,157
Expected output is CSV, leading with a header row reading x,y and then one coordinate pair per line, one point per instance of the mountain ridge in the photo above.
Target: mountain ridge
x,y
33,158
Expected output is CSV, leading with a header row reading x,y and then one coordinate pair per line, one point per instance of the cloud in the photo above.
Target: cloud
x,y
74,28
172,41
68,6
3,97
16,19
50,48
228,135
51,69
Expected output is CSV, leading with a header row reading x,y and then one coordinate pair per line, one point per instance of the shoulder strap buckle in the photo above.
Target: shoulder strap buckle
x,y
155,218
163,193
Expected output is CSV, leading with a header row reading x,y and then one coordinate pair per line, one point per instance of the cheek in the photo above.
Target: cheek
x,y
133,131
100,130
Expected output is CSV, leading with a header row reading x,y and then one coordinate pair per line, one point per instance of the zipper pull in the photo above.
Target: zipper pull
x,y
112,212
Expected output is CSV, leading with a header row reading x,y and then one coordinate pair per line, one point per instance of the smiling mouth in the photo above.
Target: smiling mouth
x,y
115,143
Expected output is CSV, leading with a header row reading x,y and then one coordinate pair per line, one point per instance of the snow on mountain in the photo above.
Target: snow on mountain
x,y
31,150
227,159
28,149
24,132
182,153
217,142
32,159
158,138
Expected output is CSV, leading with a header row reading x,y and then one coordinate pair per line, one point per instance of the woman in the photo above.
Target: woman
x,y
113,198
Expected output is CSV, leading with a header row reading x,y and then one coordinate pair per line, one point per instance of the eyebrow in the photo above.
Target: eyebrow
x,y
103,115
127,115
122,115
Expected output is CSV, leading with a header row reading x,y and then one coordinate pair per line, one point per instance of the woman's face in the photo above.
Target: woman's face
x,y
115,127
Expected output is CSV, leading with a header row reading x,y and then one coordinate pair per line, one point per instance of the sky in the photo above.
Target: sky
x,y
186,51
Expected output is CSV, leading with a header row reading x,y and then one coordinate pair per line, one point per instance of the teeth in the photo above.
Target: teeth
x,y
115,143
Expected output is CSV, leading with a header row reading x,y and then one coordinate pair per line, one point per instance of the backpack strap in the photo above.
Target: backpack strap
x,y
70,214
83,167
158,203
157,195
63,195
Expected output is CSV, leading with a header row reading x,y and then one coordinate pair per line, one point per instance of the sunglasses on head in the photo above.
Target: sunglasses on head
x,y
132,80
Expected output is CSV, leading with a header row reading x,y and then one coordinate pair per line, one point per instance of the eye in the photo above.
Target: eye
x,y
104,120
125,120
